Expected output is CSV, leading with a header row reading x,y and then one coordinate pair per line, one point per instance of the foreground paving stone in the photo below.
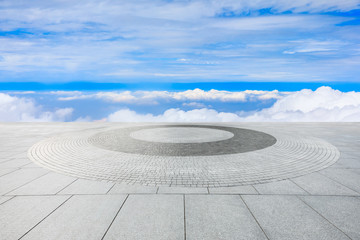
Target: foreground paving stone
x,y
317,184
219,217
18,178
281,187
50,183
130,189
81,217
346,177
21,214
343,212
4,199
287,217
149,217
248,189
82,186
182,190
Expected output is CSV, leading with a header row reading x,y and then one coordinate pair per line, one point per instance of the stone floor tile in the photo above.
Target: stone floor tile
x,y
50,183
246,189
317,184
81,217
122,188
182,190
343,212
219,217
287,217
82,186
280,187
159,217
347,177
18,178
22,213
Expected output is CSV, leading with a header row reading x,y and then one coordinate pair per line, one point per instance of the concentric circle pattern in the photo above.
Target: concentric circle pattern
x,y
95,154
181,135
242,140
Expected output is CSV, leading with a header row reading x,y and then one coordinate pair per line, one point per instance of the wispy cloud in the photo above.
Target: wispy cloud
x,y
149,97
167,40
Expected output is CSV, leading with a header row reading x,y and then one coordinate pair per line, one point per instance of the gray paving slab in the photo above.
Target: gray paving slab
x,y
18,178
347,177
343,212
287,217
31,165
182,190
149,217
15,163
123,188
317,184
4,171
81,217
247,189
82,186
347,163
4,199
50,183
22,213
219,217
280,187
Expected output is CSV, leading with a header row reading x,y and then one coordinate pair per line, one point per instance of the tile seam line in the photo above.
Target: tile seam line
x,y
254,217
107,192
115,217
358,192
67,185
323,217
45,217
291,180
26,183
10,172
7,200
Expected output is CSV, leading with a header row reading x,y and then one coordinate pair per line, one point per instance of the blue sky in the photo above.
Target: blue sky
x,y
180,41
157,60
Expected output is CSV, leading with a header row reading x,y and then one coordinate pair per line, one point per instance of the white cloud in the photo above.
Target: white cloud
x,y
150,97
15,109
322,105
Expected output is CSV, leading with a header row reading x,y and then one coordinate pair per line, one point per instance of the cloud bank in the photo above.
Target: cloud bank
x,y
15,109
322,105
188,95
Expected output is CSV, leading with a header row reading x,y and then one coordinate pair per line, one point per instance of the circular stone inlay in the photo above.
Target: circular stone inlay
x,y
290,155
243,140
181,135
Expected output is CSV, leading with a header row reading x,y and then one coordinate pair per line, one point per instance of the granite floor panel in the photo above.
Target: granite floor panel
x,y
39,203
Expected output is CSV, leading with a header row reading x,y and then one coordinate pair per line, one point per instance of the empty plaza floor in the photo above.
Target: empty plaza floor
x,y
188,181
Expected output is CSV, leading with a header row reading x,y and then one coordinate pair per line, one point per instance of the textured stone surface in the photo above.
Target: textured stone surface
x,y
149,217
219,217
74,154
287,217
81,217
279,207
344,212
21,214
242,140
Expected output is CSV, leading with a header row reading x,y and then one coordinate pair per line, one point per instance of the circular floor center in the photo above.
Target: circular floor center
x,y
181,135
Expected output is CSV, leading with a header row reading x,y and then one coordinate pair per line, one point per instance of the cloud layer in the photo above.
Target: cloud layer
x,y
15,109
188,95
322,105
161,40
